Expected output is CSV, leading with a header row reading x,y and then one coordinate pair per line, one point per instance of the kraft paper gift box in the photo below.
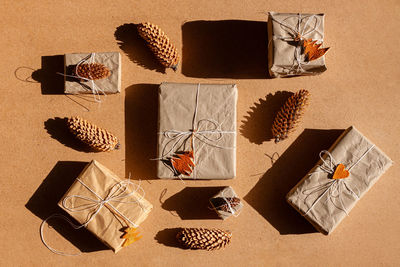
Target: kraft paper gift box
x,y
124,204
200,118
285,57
325,201
226,203
109,85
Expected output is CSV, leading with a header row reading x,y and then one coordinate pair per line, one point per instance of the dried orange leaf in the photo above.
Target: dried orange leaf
x,y
312,50
130,236
340,172
183,162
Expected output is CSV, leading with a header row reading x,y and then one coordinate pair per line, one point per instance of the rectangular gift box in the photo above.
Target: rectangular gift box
x,y
209,109
284,53
109,85
83,200
325,201
226,203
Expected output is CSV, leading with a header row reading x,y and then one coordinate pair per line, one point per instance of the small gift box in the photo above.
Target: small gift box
x,y
92,73
286,34
343,175
106,205
226,203
197,131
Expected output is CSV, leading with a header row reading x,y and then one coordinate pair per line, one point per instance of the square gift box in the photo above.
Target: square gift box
x,y
226,203
285,55
341,177
105,204
197,131
109,85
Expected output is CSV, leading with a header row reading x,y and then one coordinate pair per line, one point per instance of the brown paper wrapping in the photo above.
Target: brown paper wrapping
x,y
281,53
227,192
105,225
177,102
327,213
110,85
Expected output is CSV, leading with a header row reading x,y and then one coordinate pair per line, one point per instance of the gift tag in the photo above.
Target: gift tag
x,y
340,172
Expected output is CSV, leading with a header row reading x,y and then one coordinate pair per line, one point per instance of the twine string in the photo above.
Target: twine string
x,y
333,188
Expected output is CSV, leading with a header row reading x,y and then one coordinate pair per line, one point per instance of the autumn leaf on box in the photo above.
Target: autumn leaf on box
x,y
183,162
312,50
130,236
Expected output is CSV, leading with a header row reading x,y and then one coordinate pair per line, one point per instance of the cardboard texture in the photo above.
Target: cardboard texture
x,y
285,57
360,88
325,202
109,85
106,225
222,199
215,124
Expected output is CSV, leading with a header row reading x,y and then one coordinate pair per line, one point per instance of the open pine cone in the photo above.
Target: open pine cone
x,y
289,115
207,239
159,44
97,138
93,71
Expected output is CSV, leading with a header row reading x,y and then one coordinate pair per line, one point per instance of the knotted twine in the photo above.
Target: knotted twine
x,y
177,137
93,87
334,187
298,34
117,193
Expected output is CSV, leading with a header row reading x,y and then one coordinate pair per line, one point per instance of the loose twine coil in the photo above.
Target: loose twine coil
x,y
333,189
117,193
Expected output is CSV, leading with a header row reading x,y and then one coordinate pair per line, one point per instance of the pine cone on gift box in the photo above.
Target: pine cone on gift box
x,y
207,239
92,71
159,44
289,115
97,138
220,203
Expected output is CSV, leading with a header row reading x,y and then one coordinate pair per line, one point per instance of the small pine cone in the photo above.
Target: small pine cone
x,y
289,115
159,44
93,71
220,203
97,138
207,239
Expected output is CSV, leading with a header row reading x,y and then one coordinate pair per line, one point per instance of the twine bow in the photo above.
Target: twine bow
x,y
334,188
93,87
298,34
202,133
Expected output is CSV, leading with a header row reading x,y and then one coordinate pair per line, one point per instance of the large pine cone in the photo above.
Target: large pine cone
x,y
93,71
289,115
97,138
159,44
207,239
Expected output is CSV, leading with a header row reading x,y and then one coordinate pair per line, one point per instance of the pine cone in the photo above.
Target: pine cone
x,y
207,239
97,138
159,44
93,71
220,203
289,115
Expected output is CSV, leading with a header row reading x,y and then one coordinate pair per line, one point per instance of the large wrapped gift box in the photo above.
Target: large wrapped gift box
x,y
197,120
342,176
105,204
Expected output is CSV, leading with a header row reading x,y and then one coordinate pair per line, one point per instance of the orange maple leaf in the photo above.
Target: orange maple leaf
x,y
313,50
130,236
183,162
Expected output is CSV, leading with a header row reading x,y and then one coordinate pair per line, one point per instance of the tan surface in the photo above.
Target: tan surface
x,y
360,88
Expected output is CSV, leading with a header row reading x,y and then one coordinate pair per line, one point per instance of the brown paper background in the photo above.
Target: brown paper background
x,y
359,88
